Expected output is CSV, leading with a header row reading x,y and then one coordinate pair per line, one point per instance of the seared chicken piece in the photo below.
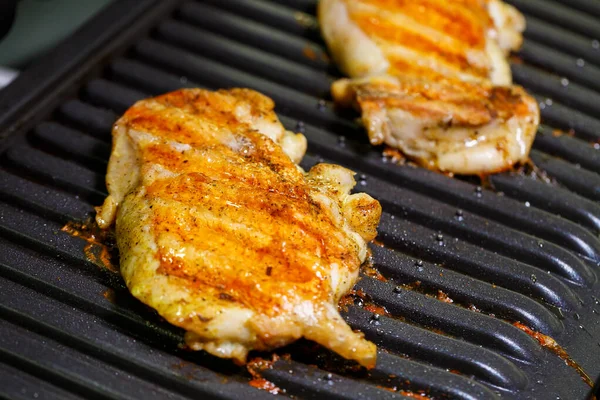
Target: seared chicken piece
x,y
224,235
431,78
448,126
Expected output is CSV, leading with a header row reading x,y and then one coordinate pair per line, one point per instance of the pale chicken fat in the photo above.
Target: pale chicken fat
x,y
224,235
431,78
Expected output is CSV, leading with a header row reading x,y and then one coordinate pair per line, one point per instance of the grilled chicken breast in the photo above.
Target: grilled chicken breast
x,y
432,79
224,235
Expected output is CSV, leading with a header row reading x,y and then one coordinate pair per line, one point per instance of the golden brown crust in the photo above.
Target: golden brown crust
x,y
448,102
453,53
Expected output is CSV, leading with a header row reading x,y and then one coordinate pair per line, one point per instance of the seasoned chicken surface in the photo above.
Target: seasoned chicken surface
x,y
432,79
224,235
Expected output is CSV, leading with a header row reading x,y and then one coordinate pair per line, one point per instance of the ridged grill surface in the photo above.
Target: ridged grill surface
x,y
461,263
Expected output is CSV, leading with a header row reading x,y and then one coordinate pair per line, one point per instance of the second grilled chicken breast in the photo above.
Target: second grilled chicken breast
x,y
224,235
432,79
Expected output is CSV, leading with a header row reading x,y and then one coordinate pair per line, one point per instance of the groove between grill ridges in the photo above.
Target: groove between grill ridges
x,y
557,115
585,6
560,15
466,258
19,385
567,147
578,180
230,25
308,383
44,200
420,344
138,328
420,377
436,215
278,68
570,94
491,299
68,368
78,331
476,328
69,176
89,289
91,119
282,14
554,199
568,42
565,66
72,144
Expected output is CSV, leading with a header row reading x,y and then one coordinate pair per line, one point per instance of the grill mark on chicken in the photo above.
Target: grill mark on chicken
x,y
382,29
454,20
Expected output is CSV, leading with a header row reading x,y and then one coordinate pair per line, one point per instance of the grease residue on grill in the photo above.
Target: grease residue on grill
x,y
550,344
441,296
255,366
394,156
100,245
360,299
378,243
559,132
369,270
309,53
352,298
110,295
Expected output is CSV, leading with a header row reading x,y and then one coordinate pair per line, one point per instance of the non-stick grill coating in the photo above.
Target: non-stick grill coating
x,y
526,250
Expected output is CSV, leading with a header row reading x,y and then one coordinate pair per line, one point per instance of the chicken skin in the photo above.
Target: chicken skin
x,y
431,78
224,235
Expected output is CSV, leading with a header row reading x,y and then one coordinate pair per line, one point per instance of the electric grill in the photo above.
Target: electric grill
x,y
462,263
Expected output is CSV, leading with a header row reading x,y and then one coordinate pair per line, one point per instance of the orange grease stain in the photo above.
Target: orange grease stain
x,y
376,309
394,155
378,243
372,272
550,344
96,250
441,296
109,295
348,299
254,367
309,53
